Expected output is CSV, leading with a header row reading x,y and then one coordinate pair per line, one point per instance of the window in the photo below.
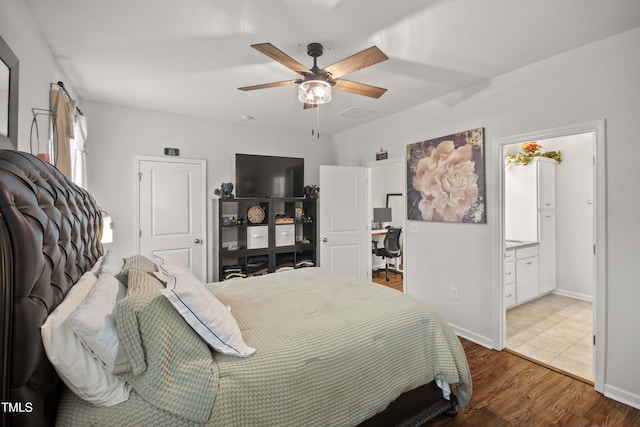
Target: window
x,y
78,151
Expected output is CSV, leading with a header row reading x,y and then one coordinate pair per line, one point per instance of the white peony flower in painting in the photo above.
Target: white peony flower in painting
x,y
446,178
447,182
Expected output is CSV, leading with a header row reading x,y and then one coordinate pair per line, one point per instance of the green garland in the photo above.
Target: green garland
x,y
531,151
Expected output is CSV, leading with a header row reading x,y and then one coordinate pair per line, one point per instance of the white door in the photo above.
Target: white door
x,y
345,235
172,211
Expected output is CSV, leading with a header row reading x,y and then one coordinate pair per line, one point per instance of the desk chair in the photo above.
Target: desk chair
x,y
391,248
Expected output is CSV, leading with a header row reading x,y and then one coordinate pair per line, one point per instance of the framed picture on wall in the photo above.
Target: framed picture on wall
x,y
446,178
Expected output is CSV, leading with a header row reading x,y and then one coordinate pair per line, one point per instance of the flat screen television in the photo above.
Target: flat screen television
x,y
269,176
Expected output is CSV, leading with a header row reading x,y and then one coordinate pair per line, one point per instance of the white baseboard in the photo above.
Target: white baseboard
x,y
473,337
576,295
622,396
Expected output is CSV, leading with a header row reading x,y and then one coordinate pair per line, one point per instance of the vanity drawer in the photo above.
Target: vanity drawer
x,y
258,237
509,271
285,235
509,295
509,255
527,252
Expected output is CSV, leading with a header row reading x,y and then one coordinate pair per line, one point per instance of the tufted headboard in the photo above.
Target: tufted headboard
x,y
49,236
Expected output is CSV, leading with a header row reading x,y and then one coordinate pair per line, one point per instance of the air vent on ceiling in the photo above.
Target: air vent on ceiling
x,y
355,113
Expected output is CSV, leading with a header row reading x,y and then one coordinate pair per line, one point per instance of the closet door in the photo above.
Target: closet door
x,y
345,237
172,211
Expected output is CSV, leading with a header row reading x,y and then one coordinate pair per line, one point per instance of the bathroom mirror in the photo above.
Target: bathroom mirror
x,y
8,97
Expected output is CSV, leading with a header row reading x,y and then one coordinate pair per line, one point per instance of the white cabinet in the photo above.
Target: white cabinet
x,y
527,274
546,184
547,225
530,202
547,250
509,278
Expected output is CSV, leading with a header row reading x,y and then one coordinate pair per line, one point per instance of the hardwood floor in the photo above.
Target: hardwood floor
x,y
511,391
395,279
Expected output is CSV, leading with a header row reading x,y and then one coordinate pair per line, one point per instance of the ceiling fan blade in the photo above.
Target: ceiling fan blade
x,y
307,106
268,85
277,55
359,88
355,62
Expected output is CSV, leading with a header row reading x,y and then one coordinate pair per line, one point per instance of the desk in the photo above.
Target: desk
x,y
377,241
378,231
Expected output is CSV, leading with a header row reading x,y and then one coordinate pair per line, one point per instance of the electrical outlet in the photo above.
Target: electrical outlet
x,y
454,293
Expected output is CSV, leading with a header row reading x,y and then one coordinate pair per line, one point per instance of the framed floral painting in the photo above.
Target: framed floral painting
x,y
446,179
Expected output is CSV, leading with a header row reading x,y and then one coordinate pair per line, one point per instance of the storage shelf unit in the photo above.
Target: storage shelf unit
x,y
286,237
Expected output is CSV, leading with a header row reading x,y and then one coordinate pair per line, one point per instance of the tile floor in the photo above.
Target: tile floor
x,y
556,330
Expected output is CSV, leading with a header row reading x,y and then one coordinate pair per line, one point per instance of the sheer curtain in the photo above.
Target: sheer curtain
x,y
78,151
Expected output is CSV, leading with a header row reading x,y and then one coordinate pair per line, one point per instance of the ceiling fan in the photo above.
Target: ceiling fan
x,y
316,83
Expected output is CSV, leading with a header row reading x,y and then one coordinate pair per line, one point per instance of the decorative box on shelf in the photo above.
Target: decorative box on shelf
x,y
283,220
285,235
258,237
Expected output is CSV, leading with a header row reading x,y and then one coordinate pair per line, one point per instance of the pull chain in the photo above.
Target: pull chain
x,y
315,132
318,120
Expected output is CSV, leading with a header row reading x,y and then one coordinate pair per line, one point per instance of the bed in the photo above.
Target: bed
x,y
318,360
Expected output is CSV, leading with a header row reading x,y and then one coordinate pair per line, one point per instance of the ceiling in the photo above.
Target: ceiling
x,y
189,57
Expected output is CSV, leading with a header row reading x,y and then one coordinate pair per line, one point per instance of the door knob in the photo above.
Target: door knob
x,y
324,239
197,241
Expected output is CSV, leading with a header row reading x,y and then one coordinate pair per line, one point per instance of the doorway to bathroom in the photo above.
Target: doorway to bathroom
x,y
552,280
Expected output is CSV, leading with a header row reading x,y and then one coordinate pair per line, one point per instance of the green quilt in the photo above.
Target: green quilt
x,y
331,351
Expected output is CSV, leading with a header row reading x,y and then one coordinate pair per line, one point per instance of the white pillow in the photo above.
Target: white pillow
x,y
93,320
205,314
174,271
78,369
177,270
112,263
97,265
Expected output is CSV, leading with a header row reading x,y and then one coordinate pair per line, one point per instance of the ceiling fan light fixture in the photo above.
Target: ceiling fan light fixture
x,y
314,92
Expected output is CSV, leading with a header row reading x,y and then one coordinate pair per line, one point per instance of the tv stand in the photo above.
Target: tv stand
x,y
286,238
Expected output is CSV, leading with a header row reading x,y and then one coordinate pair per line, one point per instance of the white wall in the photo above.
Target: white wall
x,y
387,178
118,133
37,66
598,81
377,186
